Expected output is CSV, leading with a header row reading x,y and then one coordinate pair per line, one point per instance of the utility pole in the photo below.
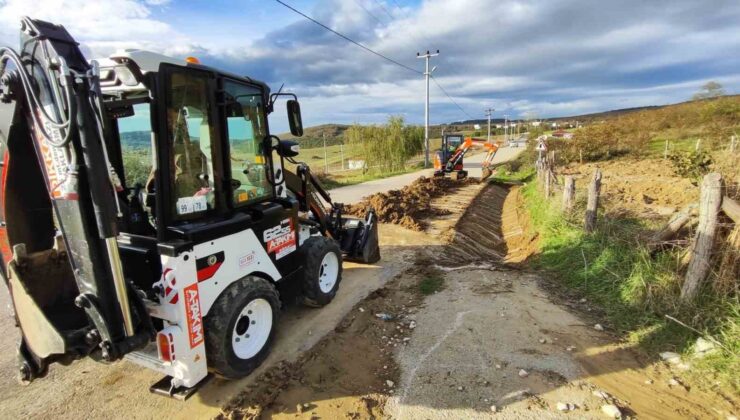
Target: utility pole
x,y
427,74
506,129
489,112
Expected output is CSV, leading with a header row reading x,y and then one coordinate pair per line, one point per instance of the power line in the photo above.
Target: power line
x,y
384,9
346,38
450,98
368,12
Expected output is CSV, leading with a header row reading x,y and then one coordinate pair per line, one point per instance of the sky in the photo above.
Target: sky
x,y
524,58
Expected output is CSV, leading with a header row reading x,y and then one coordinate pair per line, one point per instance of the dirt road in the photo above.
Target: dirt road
x,y
491,339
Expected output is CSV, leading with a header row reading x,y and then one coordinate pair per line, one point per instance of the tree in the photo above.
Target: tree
x,y
709,90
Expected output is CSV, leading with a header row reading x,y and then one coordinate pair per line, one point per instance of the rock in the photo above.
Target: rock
x,y
583,300
412,325
389,383
362,310
674,382
570,348
494,408
600,394
406,339
671,357
523,373
385,367
703,347
565,406
648,381
384,316
542,341
498,366
598,327
299,408
460,388
612,411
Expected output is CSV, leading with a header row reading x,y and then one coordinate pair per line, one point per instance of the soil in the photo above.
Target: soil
x,y
647,188
410,206
491,339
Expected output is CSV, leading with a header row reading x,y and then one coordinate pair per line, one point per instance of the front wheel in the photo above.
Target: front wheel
x,y
323,270
240,327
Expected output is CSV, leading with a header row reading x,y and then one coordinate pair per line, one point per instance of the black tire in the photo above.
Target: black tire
x,y
314,250
223,317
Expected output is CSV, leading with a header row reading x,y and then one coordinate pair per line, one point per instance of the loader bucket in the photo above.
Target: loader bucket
x,y
359,239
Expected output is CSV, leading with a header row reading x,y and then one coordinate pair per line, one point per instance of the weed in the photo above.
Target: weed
x,y
431,284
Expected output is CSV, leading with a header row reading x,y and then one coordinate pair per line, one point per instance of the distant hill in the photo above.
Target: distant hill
x,y
136,139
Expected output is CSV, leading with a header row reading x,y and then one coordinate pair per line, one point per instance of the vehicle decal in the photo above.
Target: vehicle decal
x,y
280,239
209,265
247,260
194,318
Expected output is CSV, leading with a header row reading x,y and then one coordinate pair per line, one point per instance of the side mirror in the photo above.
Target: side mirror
x,y
288,148
294,118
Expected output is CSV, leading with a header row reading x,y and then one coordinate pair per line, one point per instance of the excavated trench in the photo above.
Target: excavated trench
x,y
491,230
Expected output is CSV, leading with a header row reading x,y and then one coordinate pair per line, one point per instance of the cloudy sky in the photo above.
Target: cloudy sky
x,y
537,57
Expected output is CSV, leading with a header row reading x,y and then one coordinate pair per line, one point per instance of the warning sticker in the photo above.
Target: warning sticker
x,y
280,239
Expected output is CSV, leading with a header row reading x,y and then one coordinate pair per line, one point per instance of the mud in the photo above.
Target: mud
x,y
411,205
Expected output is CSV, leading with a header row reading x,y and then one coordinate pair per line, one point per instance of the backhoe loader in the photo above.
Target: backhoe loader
x,y
147,213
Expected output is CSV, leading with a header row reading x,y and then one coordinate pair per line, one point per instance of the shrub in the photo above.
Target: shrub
x,y
692,165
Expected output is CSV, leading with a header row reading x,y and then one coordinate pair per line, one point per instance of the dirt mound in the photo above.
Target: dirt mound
x,y
409,206
646,188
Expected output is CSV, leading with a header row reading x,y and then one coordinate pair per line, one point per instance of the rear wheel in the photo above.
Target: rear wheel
x,y
323,270
240,327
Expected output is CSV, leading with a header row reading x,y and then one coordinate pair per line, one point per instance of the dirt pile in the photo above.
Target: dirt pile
x,y
646,188
409,206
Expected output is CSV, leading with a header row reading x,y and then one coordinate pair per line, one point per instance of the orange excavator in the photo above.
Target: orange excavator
x,y
449,158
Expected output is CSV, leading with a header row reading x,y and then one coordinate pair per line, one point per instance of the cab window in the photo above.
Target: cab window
x,y
246,130
190,133
135,134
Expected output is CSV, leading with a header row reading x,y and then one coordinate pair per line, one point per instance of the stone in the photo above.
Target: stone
x,y
542,341
570,348
648,381
600,394
561,406
523,373
671,357
599,327
494,408
389,383
460,388
362,309
612,411
703,347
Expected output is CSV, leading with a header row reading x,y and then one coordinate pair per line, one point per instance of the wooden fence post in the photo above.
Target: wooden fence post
x,y
548,181
594,189
701,247
569,193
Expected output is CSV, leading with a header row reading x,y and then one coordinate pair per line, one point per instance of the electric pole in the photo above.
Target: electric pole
x,y
427,74
506,128
489,112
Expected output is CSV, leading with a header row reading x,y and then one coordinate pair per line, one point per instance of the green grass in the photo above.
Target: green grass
x,y
431,284
615,271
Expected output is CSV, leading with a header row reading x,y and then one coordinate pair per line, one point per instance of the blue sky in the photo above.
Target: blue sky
x,y
540,58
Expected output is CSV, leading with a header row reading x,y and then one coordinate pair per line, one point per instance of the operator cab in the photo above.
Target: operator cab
x,y
214,171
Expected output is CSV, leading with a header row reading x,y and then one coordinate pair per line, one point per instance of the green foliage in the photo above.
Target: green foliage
x,y
430,285
691,164
388,146
614,269
137,164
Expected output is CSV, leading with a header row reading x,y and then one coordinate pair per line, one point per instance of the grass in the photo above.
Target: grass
x,y
431,284
613,268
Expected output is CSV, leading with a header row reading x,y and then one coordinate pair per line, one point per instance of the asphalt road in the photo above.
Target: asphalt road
x,y
353,193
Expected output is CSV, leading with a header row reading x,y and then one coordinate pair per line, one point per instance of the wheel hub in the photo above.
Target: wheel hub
x,y
328,272
252,329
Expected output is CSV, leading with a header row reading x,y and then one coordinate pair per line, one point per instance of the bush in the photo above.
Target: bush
x,y
692,165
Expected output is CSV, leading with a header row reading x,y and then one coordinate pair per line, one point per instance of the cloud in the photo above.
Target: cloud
x,y
552,58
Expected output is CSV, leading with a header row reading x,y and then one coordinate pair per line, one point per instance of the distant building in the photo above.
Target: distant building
x,y
563,134
536,123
